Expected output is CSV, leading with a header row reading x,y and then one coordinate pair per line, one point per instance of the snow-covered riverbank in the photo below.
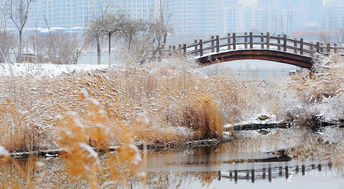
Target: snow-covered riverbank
x,y
42,70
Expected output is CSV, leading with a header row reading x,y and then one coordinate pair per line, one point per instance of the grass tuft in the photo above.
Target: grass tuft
x,y
204,118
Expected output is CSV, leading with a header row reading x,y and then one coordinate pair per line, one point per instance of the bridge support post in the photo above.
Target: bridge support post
x,y
251,40
234,41
295,46
285,43
318,47
229,41
252,174
245,37
200,47
212,43
196,44
311,46
268,40
262,40
335,48
278,42
217,43
269,174
301,46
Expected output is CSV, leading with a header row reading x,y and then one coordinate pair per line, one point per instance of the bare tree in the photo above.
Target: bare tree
x,y
7,39
144,35
60,48
95,33
110,24
130,29
19,14
158,31
163,22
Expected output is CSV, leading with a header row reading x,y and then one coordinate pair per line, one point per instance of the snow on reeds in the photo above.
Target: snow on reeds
x,y
148,101
321,92
152,103
158,102
203,117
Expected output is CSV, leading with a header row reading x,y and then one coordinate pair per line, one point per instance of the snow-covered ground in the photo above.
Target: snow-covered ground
x,y
45,70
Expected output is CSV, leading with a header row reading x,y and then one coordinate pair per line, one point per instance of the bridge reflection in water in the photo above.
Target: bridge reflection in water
x,y
315,175
271,173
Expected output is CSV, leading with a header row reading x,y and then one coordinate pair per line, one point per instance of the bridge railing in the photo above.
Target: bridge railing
x,y
250,41
263,41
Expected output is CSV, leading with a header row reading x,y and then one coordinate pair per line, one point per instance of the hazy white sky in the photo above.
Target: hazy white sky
x,y
250,2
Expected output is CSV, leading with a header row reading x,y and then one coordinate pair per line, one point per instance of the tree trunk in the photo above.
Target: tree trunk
x,y
20,45
98,51
165,38
109,49
129,45
159,49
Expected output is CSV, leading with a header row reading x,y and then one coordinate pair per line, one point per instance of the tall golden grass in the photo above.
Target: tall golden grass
x,y
156,102
204,118
153,103
17,133
148,99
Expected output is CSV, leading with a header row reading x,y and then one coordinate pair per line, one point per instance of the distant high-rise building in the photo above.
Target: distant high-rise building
x,y
291,15
195,17
204,17
334,16
64,13
137,9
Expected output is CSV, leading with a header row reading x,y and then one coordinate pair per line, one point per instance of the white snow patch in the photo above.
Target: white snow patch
x,y
253,119
226,133
137,157
89,149
107,184
331,108
40,164
45,70
3,151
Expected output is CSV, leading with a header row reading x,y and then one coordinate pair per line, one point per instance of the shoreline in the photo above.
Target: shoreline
x,y
54,153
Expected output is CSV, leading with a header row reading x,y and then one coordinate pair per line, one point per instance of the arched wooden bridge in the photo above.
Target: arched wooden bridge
x,y
251,46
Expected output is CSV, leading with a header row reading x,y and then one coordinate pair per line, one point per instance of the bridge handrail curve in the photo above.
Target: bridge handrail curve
x,y
250,41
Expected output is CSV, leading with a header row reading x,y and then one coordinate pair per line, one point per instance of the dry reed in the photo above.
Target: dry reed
x,y
149,100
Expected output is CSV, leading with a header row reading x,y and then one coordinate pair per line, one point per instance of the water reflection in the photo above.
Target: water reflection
x,y
271,173
270,177
193,168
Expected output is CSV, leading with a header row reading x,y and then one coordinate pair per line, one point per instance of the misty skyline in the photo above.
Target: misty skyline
x,y
197,17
